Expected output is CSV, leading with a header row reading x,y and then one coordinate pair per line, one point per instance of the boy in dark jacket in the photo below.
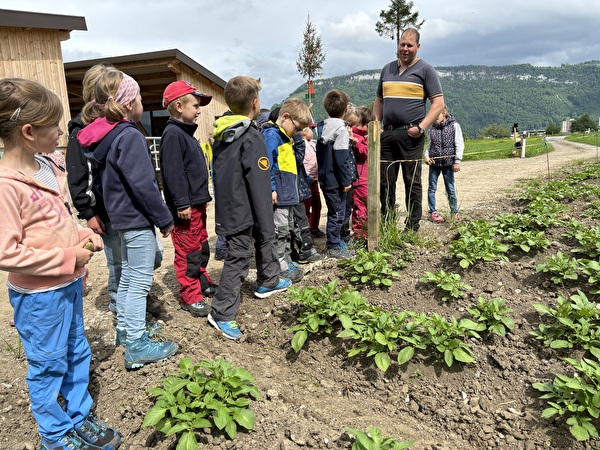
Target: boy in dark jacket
x,y
243,206
335,173
185,185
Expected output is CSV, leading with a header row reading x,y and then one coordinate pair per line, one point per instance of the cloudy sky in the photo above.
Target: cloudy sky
x,y
263,38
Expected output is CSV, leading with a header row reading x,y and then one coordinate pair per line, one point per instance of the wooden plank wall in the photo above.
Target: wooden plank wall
x,y
35,54
216,107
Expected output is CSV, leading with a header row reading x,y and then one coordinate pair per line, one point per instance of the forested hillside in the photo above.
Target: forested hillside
x,y
482,95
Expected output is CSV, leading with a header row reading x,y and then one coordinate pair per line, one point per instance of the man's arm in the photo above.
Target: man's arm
x,y
437,105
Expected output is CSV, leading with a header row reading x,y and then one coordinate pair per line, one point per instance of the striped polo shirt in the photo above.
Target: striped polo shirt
x,y
404,94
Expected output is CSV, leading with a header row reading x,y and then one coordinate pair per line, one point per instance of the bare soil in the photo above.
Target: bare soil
x,y
310,397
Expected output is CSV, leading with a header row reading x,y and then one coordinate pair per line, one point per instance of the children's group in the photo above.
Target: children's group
x,y
270,169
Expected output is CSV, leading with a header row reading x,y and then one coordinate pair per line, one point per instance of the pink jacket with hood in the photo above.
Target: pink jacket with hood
x,y
38,231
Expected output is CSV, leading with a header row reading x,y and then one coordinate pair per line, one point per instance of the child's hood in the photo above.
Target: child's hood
x,y
231,127
331,129
96,131
98,148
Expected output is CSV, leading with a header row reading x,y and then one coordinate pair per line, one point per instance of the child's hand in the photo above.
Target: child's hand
x,y
185,214
274,197
347,188
456,167
85,249
428,161
93,243
167,230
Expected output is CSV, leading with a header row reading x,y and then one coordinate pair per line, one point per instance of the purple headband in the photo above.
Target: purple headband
x,y
128,91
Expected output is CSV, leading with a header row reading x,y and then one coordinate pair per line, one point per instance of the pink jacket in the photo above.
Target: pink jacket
x,y
310,160
38,231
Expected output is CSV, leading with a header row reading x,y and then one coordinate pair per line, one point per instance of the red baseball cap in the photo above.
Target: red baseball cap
x,y
180,88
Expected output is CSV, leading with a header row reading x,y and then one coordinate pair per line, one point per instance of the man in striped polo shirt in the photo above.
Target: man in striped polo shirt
x,y
400,103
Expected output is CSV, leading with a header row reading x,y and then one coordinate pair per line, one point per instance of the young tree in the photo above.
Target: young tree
x,y
398,17
552,129
311,58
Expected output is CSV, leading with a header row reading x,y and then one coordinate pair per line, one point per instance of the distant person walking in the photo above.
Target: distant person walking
x,y
404,86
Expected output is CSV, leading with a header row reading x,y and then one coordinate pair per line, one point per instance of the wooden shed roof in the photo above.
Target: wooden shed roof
x,y
25,19
153,71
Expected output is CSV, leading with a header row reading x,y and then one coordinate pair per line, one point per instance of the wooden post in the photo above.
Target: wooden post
x,y
373,204
523,144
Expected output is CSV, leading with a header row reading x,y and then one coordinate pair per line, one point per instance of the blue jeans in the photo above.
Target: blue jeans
x,y
336,212
50,325
112,250
138,250
448,174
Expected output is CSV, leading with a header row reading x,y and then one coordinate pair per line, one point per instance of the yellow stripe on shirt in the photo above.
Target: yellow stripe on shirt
x,y
402,89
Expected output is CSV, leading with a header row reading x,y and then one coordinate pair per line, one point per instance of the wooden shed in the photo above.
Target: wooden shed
x,y
154,71
30,48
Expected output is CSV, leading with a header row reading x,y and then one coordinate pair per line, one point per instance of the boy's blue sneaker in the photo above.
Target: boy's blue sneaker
x,y
152,329
144,350
229,328
341,252
70,441
264,291
294,272
96,433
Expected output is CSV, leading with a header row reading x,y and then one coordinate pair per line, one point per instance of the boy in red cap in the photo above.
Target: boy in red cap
x,y
185,184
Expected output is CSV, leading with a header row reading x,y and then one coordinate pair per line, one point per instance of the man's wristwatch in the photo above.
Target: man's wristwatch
x,y
421,130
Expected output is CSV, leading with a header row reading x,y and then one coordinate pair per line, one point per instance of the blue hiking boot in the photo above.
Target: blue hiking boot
x,y
341,252
264,291
229,328
152,329
144,351
294,272
70,441
96,433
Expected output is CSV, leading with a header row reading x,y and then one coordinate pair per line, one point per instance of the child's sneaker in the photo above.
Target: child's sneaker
x,y
70,441
341,252
435,217
229,328
293,272
310,255
144,350
264,291
96,433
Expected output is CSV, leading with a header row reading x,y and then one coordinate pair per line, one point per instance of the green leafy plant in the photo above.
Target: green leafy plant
x,y
447,282
321,308
561,268
369,268
374,440
477,241
494,314
591,268
577,398
447,337
574,322
204,395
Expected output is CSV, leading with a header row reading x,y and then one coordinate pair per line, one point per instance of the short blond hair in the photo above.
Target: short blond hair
x,y
298,111
184,100
240,92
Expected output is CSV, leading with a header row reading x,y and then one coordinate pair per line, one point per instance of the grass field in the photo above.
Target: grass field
x,y
585,138
479,149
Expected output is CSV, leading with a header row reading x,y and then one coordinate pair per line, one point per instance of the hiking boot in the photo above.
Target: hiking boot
x,y
435,217
341,252
220,254
144,350
152,329
198,309
95,432
294,273
70,441
310,255
229,328
211,290
264,291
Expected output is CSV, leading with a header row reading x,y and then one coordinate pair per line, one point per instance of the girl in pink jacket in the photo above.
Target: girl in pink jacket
x,y
45,251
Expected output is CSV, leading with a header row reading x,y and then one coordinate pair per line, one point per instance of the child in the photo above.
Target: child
x,y
87,198
335,171
443,154
185,186
243,207
313,204
44,252
293,117
360,186
351,119
134,204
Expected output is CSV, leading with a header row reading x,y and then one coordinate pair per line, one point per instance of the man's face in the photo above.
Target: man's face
x,y
408,48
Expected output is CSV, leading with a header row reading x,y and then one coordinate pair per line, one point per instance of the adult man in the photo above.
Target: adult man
x,y
404,86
